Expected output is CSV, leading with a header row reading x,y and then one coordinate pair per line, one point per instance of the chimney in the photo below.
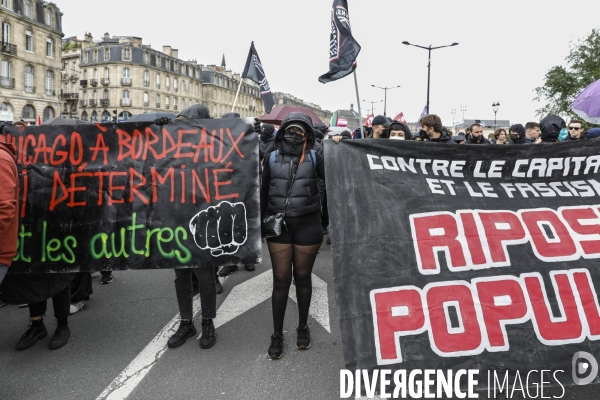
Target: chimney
x,y
106,36
88,37
175,53
167,50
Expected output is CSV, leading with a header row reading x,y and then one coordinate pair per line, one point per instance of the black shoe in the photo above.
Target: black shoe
x,y
106,278
303,338
228,269
276,349
186,330
61,337
328,240
219,286
208,338
250,267
325,231
31,336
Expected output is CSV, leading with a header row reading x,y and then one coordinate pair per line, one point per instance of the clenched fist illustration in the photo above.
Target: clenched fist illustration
x,y
222,228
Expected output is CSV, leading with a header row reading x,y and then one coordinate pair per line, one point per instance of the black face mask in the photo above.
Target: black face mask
x,y
292,139
514,137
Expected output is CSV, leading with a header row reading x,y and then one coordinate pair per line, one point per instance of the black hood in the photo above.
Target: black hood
x,y
197,111
295,118
320,126
396,126
520,129
268,129
231,115
550,127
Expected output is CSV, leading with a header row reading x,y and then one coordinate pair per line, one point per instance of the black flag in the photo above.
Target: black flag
x,y
255,72
343,49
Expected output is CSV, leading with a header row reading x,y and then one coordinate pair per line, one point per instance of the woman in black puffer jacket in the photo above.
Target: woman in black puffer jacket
x,y
289,186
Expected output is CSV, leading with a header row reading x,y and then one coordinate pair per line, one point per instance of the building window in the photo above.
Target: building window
x,y
190,103
28,112
28,9
182,104
190,88
95,74
146,78
95,96
146,99
84,116
84,74
175,84
105,94
106,53
5,33
86,57
49,21
126,94
158,81
49,82
167,102
95,116
48,113
197,89
146,57
85,96
28,41
158,101
96,55
106,73
29,79
175,103
49,47
158,64
167,83
126,73
127,54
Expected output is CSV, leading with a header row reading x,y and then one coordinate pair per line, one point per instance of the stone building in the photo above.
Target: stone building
x,y
220,87
286,99
30,53
120,73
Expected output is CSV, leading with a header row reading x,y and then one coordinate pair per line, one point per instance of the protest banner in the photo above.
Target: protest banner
x,y
467,257
137,196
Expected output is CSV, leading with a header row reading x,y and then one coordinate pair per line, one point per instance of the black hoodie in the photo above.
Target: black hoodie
x,y
550,127
520,129
444,139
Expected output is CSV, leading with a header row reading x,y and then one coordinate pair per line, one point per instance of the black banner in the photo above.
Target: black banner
x,y
343,49
468,257
133,195
256,73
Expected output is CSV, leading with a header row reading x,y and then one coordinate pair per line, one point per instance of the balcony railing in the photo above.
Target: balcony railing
x,y
8,48
126,81
7,82
93,103
29,89
104,102
175,107
105,81
175,89
166,106
68,96
94,82
147,83
82,103
50,92
125,102
146,104
158,85
167,87
83,83
157,105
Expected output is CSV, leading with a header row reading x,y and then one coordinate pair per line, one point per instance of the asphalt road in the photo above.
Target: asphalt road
x,y
122,321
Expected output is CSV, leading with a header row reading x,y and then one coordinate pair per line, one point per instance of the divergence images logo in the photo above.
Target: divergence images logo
x,y
585,368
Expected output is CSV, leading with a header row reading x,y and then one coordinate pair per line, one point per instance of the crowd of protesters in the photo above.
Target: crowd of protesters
x,y
292,185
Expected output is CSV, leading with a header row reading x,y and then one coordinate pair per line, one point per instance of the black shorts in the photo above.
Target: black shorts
x,y
302,231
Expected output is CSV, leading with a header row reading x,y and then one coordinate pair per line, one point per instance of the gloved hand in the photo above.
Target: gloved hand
x,y
222,228
162,121
266,137
257,127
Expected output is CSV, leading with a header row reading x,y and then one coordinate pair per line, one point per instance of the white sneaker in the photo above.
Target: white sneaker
x,y
76,307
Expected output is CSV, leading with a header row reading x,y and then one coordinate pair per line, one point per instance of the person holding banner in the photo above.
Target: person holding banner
x,y
9,206
289,187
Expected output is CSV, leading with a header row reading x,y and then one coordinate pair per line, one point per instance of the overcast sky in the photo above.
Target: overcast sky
x,y
505,47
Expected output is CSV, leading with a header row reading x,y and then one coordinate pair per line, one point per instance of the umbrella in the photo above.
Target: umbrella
x,y
65,121
150,117
587,104
278,113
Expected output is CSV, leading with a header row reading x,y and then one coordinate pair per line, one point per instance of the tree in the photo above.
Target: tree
x,y
563,84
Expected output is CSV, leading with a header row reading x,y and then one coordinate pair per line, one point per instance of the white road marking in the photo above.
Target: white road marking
x,y
122,386
242,298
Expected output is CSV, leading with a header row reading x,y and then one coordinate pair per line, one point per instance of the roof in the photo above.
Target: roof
x,y
487,123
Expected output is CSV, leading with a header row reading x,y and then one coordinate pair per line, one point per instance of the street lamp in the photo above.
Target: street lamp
x,y
429,63
385,89
372,102
463,109
495,108
453,114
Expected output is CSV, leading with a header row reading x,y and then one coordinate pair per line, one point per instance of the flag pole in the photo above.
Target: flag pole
x,y
236,95
362,129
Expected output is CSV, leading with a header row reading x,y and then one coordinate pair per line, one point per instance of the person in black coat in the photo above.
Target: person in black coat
x,y
477,135
518,135
289,187
432,125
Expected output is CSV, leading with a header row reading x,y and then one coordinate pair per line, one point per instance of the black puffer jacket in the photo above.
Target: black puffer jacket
x,y
288,187
472,140
444,139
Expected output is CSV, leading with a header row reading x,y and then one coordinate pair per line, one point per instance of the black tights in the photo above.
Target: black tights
x,y
283,256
